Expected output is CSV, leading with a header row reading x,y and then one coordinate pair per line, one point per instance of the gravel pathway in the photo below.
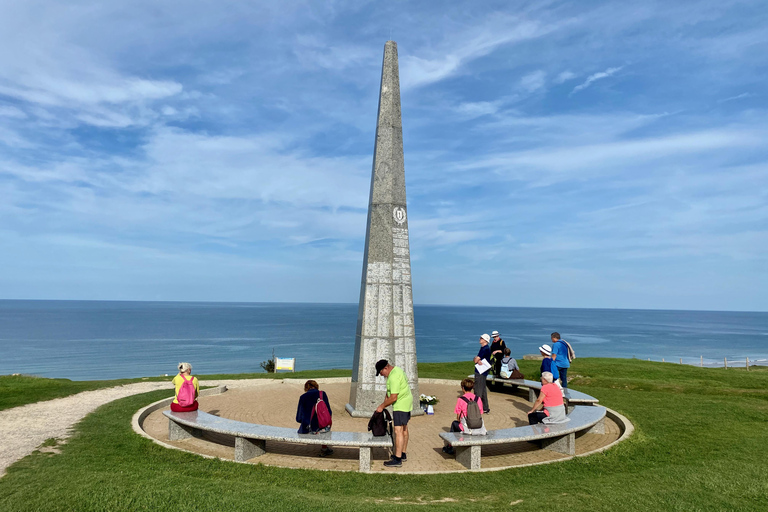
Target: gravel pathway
x,y
23,429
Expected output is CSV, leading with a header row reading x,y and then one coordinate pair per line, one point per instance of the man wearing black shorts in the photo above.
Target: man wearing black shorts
x,y
399,396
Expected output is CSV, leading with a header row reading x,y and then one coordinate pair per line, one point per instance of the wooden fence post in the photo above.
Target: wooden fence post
x,y
747,364
725,362
681,360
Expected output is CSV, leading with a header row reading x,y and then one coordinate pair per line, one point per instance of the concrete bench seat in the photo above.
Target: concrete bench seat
x,y
559,437
571,396
251,438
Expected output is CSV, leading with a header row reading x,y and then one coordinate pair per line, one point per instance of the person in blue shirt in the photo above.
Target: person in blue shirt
x,y
480,385
547,365
304,413
560,351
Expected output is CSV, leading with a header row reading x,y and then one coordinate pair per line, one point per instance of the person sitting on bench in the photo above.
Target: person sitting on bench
x,y
551,397
508,365
305,413
460,423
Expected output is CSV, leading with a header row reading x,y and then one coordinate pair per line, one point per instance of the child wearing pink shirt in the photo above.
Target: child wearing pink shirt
x,y
460,424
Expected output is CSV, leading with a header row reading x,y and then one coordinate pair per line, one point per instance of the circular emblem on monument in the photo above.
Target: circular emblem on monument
x,y
399,214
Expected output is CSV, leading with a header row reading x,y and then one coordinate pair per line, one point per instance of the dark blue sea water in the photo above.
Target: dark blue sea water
x,y
86,340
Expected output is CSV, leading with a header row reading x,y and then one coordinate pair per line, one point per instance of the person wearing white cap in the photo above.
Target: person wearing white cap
x,y
480,386
497,351
547,365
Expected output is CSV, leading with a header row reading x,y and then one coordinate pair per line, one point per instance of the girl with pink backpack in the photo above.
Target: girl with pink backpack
x,y
187,390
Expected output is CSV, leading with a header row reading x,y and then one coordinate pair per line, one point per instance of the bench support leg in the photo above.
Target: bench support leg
x,y
532,395
468,456
246,449
365,459
177,432
565,444
597,428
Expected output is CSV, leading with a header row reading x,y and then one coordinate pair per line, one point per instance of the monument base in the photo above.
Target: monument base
x,y
355,413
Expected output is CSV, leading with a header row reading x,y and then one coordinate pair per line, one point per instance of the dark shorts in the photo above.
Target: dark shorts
x,y
401,418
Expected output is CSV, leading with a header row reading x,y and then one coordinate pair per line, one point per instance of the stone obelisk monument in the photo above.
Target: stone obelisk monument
x,y
385,316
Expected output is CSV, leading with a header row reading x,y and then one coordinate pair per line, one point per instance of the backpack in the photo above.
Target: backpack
x,y
186,396
323,414
474,417
380,423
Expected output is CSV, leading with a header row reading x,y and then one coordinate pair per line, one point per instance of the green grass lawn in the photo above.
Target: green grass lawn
x,y
700,444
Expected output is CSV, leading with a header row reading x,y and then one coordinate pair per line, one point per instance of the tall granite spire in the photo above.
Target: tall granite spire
x,y
385,316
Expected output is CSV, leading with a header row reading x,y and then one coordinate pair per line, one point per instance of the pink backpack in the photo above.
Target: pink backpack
x,y
186,395
322,412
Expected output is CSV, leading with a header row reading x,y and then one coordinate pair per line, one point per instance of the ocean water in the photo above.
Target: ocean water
x,y
85,340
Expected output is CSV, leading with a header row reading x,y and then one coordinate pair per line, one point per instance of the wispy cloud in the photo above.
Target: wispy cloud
x,y
595,77
565,76
533,81
466,46
741,96
224,152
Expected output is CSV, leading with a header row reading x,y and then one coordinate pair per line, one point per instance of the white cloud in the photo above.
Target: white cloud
x,y
533,81
8,111
471,110
595,77
565,76
464,47
741,96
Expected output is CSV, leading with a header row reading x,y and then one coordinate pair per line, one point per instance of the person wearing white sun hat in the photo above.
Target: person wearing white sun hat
x,y
547,364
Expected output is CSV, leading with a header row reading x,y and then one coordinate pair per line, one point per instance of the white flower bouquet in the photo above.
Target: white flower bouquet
x,y
428,399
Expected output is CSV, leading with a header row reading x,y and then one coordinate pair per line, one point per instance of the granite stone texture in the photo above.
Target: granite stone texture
x,y
246,449
559,437
251,438
565,444
385,328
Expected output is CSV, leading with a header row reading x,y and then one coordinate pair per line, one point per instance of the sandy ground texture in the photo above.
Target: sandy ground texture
x,y
274,403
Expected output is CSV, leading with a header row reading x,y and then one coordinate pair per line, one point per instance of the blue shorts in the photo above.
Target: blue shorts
x,y
401,418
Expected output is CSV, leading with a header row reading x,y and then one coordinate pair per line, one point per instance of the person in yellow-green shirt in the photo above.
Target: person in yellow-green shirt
x,y
188,400
399,396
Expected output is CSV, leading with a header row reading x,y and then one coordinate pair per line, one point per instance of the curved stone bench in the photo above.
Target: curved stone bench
x,y
251,438
558,437
571,396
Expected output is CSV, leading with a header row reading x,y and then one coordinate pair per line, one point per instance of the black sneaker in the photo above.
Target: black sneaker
x,y
394,462
404,458
324,452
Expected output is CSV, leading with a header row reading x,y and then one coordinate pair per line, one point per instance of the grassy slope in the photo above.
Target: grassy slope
x,y
700,444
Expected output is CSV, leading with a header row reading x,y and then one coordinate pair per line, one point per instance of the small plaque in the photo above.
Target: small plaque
x,y
399,214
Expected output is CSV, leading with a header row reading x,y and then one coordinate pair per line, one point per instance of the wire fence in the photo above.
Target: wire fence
x,y
725,362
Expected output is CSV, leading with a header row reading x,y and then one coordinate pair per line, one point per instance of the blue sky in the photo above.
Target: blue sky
x,y
564,154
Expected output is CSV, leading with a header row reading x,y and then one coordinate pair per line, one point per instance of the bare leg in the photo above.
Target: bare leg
x,y
404,447
399,439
